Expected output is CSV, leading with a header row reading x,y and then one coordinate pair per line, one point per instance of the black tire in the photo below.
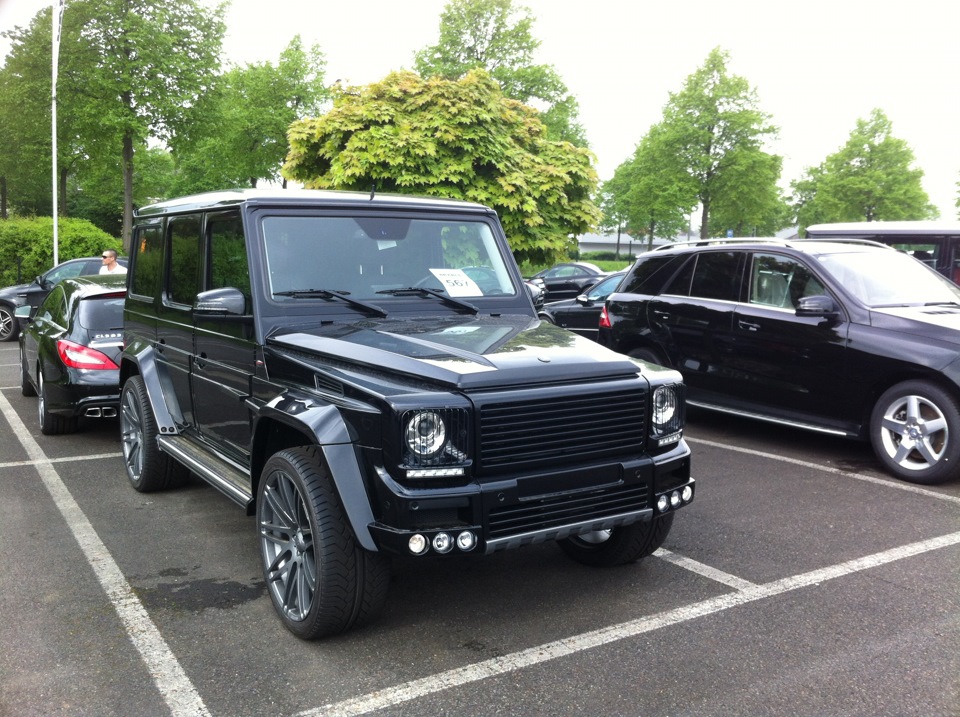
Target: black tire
x,y
9,327
648,355
50,423
148,468
546,317
26,388
619,546
321,581
915,433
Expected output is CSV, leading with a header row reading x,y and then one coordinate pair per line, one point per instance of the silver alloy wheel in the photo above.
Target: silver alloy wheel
x,y
131,434
287,542
41,399
8,324
914,432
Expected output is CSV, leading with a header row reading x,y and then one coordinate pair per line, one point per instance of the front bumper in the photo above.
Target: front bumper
x,y
532,508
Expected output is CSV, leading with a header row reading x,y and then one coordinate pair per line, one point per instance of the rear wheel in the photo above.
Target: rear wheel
x,y
648,355
26,388
618,546
50,423
915,433
320,580
148,468
9,328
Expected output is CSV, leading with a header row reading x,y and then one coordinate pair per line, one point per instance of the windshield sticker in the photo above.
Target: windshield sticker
x,y
456,283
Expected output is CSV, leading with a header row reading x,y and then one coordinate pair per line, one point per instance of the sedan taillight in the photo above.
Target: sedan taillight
x,y
604,319
78,356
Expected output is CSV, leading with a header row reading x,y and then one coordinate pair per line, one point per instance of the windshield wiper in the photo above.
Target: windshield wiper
x,y
942,303
423,291
333,294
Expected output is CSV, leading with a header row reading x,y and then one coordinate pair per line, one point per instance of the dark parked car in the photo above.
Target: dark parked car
x,y
369,377
70,351
565,281
36,291
850,339
582,314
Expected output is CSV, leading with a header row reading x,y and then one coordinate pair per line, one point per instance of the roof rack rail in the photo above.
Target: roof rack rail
x,y
844,240
723,240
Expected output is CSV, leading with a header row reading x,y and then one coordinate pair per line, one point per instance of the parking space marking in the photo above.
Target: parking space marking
x,y
175,687
65,459
392,696
889,483
704,570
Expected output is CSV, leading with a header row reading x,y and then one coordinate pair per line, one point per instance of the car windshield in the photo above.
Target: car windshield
x,y
890,278
382,259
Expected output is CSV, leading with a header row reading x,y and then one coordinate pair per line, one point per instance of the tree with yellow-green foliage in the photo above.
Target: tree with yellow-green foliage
x,y
459,139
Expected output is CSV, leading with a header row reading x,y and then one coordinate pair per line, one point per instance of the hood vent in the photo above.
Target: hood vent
x,y
328,384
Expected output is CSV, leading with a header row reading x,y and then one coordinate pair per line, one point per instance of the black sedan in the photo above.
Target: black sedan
x,y
69,351
567,280
12,297
582,314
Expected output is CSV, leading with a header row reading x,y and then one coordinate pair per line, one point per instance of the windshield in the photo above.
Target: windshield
x,y
372,259
889,278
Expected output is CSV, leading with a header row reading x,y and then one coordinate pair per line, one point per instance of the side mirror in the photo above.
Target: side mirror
x,y
583,300
822,306
220,302
22,314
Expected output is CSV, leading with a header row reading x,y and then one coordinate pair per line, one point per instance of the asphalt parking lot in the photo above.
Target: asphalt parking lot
x,y
801,581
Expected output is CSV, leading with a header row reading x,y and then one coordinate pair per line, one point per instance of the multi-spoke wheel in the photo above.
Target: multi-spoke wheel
x,y
915,432
9,328
320,580
148,468
50,423
618,546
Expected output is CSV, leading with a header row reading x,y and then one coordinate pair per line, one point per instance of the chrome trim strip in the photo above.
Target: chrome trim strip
x,y
770,419
231,490
565,531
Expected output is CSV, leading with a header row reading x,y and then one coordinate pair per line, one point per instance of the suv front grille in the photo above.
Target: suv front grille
x,y
558,431
557,511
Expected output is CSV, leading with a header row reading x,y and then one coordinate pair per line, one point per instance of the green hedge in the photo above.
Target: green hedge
x,y
31,240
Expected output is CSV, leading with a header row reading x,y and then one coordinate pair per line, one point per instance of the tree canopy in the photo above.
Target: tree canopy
x,y
496,36
870,178
452,138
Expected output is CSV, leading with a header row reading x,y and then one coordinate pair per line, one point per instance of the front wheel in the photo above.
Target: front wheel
x,y
148,468
618,546
915,432
320,580
9,328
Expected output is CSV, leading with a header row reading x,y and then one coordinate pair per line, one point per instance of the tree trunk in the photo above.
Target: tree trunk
x,y
650,232
127,231
704,217
62,191
3,197
619,227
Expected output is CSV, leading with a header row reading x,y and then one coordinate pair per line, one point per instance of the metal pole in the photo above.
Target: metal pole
x,y
56,16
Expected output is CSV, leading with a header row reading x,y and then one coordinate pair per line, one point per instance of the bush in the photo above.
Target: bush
x,y
31,241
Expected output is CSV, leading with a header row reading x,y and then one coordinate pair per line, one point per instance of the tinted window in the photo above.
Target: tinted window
x,y
101,313
781,281
716,276
148,249
184,264
54,307
228,255
650,274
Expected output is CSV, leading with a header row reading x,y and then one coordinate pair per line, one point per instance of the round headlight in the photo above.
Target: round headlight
x,y
665,405
425,433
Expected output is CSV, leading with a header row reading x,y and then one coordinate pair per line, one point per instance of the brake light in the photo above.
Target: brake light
x,y
77,356
604,319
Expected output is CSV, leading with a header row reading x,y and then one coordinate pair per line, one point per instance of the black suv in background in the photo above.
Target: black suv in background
x,y
850,338
368,376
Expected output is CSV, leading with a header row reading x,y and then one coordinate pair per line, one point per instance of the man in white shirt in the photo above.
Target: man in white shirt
x,y
110,265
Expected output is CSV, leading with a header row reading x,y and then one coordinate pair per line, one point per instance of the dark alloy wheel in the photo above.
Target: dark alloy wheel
x,y
148,468
618,546
320,580
915,433
50,423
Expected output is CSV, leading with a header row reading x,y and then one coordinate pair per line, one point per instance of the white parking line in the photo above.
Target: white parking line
x,y
899,485
391,696
65,459
705,570
175,687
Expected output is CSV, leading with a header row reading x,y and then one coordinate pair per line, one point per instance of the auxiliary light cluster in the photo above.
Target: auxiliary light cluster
x,y
674,499
442,543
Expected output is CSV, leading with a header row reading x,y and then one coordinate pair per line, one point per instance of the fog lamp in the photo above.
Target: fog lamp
x,y
687,494
675,499
442,543
417,544
663,504
466,540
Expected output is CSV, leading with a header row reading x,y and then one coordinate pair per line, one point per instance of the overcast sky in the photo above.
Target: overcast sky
x,y
817,66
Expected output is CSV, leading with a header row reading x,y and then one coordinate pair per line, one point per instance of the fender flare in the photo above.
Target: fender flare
x,y
323,422
158,385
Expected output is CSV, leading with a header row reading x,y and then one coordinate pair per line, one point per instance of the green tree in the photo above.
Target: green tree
x,y
460,139
716,133
870,178
240,135
496,36
138,66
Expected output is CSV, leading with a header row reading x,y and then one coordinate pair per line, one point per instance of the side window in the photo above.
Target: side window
x,y
183,265
717,276
228,255
781,281
147,250
65,271
54,307
650,275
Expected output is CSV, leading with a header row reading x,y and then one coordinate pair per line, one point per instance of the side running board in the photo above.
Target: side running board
x,y
227,477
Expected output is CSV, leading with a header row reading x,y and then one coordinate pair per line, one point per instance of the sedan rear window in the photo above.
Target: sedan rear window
x,y
101,313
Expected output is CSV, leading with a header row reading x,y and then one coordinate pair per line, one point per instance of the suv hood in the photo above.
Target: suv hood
x,y
462,351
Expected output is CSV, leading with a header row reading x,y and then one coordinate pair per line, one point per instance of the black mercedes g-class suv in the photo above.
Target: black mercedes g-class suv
x,y
368,376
